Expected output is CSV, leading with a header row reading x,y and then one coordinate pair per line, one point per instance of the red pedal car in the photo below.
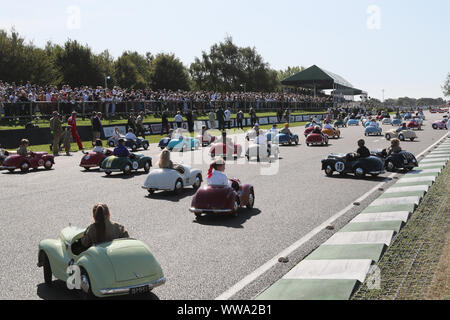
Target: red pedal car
x,y
94,159
226,151
414,125
206,139
308,131
33,161
223,199
315,139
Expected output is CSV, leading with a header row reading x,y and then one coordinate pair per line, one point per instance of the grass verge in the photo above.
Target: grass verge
x,y
415,264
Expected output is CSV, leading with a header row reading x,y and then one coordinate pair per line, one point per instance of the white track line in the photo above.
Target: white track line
x,y
286,252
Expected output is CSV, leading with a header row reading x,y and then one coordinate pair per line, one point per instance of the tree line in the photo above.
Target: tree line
x,y
225,67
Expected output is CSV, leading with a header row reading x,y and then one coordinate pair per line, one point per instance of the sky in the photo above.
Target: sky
x,y
400,46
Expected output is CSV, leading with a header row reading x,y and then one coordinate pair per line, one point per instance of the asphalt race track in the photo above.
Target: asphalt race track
x,y
201,259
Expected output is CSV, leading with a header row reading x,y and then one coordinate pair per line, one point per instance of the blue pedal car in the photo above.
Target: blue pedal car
x,y
397,122
286,139
164,142
353,122
183,144
372,130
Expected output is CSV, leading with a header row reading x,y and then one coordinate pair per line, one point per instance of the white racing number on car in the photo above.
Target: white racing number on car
x,y
135,165
340,166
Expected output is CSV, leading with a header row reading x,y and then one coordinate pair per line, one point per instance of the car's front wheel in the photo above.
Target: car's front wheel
x,y
388,137
145,146
329,171
401,137
359,172
86,291
24,167
234,211
48,165
127,169
178,186
197,182
47,271
147,167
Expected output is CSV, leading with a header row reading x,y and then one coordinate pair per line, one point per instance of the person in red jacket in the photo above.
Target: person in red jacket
x,y
73,123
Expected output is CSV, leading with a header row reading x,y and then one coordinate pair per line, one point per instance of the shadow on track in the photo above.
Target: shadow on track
x,y
366,178
118,175
170,196
59,291
227,220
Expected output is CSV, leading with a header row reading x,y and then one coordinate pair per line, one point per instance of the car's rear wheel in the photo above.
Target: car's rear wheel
x,y
47,270
296,141
48,164
401,137
134,147
127,169
197,146
329,171
147,166
178,186
388,137
87,168
197,182
251,200
107,172
24,167
11,170
145,146
151,191
412,139
86,291
234,211
390,166
359,172
435,126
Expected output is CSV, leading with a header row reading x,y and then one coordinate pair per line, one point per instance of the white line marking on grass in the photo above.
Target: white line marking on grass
x,y
286,252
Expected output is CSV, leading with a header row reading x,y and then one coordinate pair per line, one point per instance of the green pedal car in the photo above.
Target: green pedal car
x,y
126,165
119,267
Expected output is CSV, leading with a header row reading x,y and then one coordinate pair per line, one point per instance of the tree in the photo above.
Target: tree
x,y
167,72
446,87
228,67
78,65
132,70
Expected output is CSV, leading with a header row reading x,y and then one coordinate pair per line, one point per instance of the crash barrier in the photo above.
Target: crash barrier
x,y
44,110
339,266
39,136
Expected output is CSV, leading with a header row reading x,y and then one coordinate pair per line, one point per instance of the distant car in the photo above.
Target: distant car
x,y
131,144
262,151
223,199
184,144
434,110
407,116
126,165
353,122
251,134
333,133
310,124
414,124
442,111
164,142
397,122
119,267
373,130
94,159
173,179
397,161
386,121
206,139
315,139
340,123
286,139
349,163
441,124
220,149
402,135
33,161
380,117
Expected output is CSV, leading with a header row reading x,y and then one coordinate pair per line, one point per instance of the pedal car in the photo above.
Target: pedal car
x,y
262,151
134,162
397,122
94,159
349,163
251,134
434,110
414,124
407,116
386,121
286,139
310,124
164,142
225,151
315,139
3,155
173,179
120,267
131,144
353,122
333,133
223,199
340,123
206,139
402,135
308,131
183,144
33,161
373,130
397,161
441,124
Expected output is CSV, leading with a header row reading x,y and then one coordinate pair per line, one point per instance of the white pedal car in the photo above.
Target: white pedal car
x,y
262,151
386,121
173,179
251,134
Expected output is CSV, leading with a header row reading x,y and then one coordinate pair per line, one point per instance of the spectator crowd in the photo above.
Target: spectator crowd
x,y
109,99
